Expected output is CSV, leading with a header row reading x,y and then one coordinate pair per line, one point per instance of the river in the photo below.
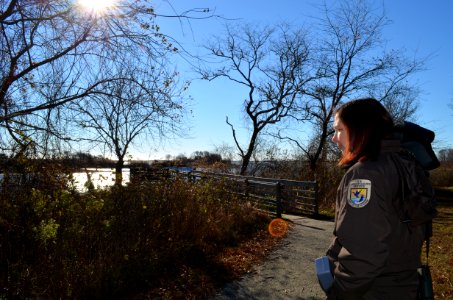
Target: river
x,y
101,178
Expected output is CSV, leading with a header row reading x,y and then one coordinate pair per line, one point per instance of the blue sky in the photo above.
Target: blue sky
x,y
420,27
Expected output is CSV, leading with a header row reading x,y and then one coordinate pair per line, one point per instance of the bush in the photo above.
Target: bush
x,y
442,176
57,243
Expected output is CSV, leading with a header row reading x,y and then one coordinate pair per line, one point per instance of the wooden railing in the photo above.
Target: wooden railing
x,y
272,195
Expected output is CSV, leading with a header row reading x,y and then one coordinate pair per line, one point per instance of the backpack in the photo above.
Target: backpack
x,y
417,141
417,204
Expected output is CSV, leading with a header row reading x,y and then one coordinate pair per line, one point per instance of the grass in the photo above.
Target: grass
x,y
441,250
169,239
230,264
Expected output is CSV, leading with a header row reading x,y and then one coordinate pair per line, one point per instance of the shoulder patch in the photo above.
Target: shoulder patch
x,y
359,192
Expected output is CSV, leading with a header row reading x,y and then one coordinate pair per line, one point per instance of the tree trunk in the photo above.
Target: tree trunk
x,y
119,172
248,154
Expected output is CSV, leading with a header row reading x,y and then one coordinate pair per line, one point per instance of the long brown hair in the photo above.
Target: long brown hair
x,y
367,123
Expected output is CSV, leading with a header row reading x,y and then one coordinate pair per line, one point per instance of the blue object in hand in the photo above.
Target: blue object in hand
x,y
325,277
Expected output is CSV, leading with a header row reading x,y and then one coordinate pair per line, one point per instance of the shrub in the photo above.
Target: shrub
x,y
57,243
442,176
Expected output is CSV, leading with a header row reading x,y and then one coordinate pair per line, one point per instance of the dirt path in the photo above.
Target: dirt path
x,y
288,272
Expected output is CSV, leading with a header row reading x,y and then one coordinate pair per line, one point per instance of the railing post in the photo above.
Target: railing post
x,y
278,195
315,200
246,192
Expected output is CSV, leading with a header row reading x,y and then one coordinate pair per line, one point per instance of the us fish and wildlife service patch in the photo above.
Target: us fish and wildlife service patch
x,y
359,192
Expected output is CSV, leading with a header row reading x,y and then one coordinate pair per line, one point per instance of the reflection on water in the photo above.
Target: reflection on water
x,y
101,178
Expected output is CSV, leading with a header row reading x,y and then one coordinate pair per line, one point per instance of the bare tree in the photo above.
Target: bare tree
x,y
446,155
351,61
55,52
226,151
138,103
270,63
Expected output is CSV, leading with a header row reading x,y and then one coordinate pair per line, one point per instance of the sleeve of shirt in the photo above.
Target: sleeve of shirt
x,y
362,235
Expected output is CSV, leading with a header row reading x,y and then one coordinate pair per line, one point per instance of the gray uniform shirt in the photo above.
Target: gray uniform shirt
x,y
373,252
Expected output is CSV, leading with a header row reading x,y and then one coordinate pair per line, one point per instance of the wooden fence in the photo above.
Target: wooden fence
x,y
272,195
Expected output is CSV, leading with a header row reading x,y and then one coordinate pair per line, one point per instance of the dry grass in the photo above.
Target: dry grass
x,y
441,250
170,239
230,264
240,260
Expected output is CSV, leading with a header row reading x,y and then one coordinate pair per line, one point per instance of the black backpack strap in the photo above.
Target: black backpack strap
x,y
402,191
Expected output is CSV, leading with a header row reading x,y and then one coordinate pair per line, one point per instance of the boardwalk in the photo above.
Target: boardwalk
x,y
288,272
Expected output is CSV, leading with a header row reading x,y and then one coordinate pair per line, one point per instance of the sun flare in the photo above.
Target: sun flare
x,y
97,6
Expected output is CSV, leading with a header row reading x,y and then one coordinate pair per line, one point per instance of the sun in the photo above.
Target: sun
x,y
97,6
278,227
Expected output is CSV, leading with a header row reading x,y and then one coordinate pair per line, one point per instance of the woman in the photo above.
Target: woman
x,y
373,254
